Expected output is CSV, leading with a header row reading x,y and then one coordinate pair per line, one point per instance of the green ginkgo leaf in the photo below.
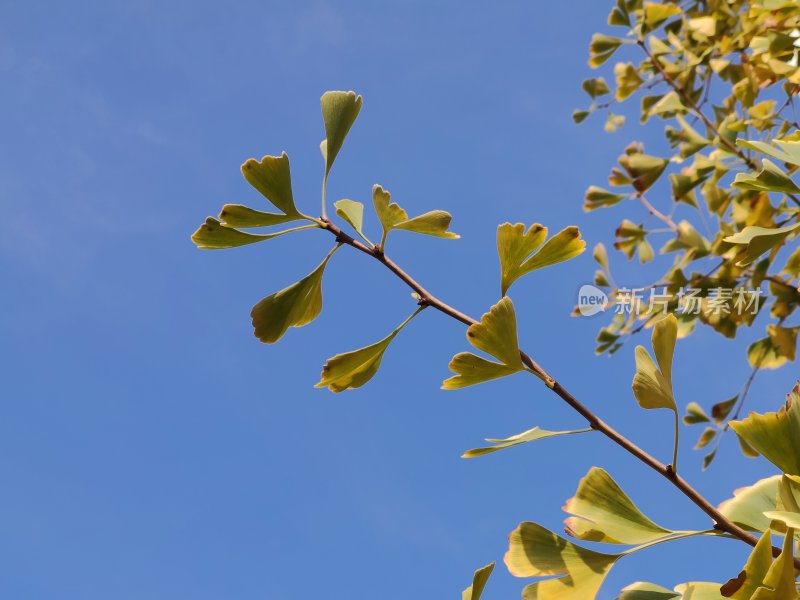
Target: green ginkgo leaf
x,y
601,48
597,197
790,519
652,385
391,216
531,435
644,170
779,581
535,552
435,223
236,215
747,506
354,369
788,152
641,590
770,179
213,235
776,436
352,212
495,334
294,306
759,240
479,580
271,176
754,572
602,512
339,112
695,414
516,248
655,13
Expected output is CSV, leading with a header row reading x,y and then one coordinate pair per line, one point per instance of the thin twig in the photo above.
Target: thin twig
x,y
657,213
721,523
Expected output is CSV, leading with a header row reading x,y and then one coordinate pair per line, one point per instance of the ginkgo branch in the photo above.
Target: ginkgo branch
x,y
721,523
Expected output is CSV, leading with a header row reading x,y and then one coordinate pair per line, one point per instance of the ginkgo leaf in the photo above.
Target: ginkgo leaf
x,y
644,170
779,583
602,512
354,369
655,13
495,334
352,212
479,580
748,504
294,306
641,590
754,572
699,590
770,179
759,239
531,435
652,385
435,223
790,519
272,177
535,551
776,436
601,48
596,197
339,112
236,215
472,369
213,235
516,248
391,216
788,152
695,414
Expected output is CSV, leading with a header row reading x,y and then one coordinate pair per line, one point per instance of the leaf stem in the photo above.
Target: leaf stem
x,y
721,522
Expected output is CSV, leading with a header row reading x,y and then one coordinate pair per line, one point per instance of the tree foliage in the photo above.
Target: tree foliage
x,y
720,76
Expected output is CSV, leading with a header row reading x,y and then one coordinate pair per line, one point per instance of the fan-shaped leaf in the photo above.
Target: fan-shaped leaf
x,y
602,512
294,306
352,212
213,235
495,334
752,576
601,48
770,179
479,580
776,436
339,112
652,385
391,216
758,240
788,152
748,504
516,248
779,581
535,551
271,176
236,215
354,369
531,435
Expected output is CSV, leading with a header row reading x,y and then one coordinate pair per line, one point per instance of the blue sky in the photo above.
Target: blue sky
x,y
150,447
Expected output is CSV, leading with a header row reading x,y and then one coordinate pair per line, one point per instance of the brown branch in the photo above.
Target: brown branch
x,y
688,101
657,213
721,523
